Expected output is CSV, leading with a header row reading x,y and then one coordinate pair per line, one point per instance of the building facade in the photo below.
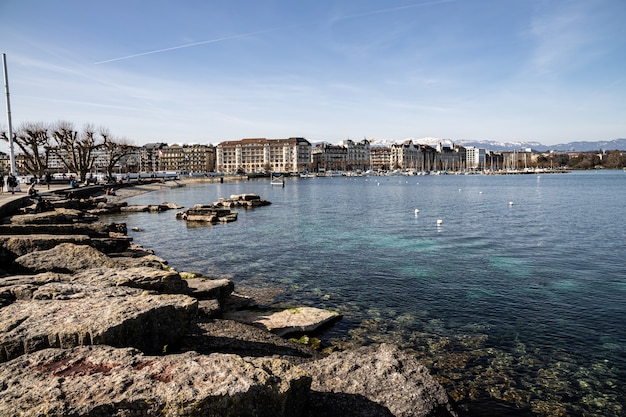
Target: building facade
x,y
358,155
380,158
260,155
327,157
475,157
187,158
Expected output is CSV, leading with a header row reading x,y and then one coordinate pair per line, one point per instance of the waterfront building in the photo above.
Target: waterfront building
x,y
358,155
327,157
380,158
188,158
518,159
449,157
261,155
475,157
408,156
149,157
494,161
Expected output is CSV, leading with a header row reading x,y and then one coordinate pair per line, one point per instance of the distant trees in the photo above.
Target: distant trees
x,y
115,149
592,160
31,139
77,151
614,159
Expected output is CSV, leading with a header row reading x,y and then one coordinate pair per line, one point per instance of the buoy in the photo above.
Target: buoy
x,y
510,203
439,222
480,192
417,211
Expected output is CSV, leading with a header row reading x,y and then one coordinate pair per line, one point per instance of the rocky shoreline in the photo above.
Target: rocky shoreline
x,y
94,325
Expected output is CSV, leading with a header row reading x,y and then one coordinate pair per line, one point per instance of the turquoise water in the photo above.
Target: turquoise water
x,y
518,309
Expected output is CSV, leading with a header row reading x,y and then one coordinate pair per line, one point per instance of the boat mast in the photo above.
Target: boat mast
x,y
6,89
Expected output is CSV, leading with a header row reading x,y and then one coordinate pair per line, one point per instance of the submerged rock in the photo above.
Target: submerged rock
x,y
282,323
242,200
207,213
375,381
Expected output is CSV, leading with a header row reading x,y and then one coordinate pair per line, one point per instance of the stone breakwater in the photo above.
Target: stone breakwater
x,y
93,325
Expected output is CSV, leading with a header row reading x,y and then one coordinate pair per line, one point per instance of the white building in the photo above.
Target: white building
x,y
475,157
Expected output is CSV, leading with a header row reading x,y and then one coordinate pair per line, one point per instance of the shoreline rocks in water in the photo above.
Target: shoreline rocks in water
x,y
90,328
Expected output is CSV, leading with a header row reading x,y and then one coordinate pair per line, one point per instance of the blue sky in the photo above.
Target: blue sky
x,y
550,71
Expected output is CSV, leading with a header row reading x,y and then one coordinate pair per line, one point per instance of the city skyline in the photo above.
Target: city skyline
x,y
205,72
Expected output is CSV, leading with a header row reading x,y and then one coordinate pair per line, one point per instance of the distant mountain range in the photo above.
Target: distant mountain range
x,y
584,146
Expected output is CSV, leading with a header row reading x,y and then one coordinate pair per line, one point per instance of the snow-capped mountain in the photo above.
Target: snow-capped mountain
x,y
616,144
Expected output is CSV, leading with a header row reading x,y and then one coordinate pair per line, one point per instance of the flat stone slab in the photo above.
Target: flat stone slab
x,y
282,323
160,280
105,381
56,216
66,315
65,258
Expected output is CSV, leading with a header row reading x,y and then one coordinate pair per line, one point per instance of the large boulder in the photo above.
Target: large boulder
x,y
65,258
375,381
284,322
104,381
67,315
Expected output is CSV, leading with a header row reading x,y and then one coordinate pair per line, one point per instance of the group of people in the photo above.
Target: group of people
x,y
10,181
12,184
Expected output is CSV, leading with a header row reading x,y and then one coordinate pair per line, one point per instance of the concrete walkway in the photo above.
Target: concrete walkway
x,y
6,196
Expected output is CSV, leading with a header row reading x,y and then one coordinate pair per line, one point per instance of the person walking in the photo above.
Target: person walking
x,y
11,182
48,179
1,183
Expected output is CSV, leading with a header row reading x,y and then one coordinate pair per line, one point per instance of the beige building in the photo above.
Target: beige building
x,y
260,155
380,158
188,158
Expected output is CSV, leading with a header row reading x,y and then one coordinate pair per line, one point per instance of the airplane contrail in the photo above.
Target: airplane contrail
x,y
243,35
187,45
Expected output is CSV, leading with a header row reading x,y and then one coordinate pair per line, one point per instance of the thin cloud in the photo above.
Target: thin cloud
x,y
188,45
395,9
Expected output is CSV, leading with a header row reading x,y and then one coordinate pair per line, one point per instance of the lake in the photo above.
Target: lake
x,y
516,301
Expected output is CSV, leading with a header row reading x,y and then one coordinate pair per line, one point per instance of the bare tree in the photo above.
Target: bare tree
x,y
115,149
33,140
77,151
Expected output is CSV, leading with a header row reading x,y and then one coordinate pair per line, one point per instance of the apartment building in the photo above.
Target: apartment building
x,y
327,157
475,157
380,158
261,155
187,158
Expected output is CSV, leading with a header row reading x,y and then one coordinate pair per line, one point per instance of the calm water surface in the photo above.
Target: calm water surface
x,y
518,309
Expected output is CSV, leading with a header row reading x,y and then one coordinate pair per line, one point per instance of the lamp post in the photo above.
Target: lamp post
x,y
6,89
